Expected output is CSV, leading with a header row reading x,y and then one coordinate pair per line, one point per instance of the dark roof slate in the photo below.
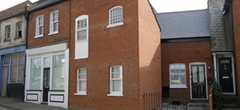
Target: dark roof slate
x,y
185,24
15,10
43,4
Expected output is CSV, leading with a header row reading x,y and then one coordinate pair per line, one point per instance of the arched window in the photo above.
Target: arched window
x,y
115,16
81,37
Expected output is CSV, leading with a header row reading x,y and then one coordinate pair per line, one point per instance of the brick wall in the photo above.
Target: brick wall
x,y
149,51
108,47
236,27
63,24
185,52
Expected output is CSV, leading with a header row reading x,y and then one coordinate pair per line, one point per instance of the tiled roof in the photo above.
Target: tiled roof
x,y
42,4
20,8
186,24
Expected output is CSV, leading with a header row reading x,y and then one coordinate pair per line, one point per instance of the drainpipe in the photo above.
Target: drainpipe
x,y
26,46
234,53
215,66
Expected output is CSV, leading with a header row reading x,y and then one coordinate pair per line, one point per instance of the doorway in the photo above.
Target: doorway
x,y
198,81
46,76
226,75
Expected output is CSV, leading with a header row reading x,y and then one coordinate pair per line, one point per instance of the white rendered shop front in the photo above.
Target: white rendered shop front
x,y
47,73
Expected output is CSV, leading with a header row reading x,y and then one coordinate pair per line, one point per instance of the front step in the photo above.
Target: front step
x,y
230,101
198,106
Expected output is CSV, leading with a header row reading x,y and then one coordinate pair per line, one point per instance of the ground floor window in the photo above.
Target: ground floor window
x,y
177,75
58,72
82,81
35,76
55,63
116,80
15,62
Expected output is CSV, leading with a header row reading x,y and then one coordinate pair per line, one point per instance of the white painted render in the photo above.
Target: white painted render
x,y
12,22
55,98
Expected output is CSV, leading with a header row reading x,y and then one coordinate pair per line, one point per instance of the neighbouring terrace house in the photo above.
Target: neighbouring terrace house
x,y
47,53
13,26
186,54
115,54
225,47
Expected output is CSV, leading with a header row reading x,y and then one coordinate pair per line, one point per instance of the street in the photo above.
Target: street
x,y
3,108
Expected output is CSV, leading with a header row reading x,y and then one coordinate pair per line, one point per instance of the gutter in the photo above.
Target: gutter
x,y
42,6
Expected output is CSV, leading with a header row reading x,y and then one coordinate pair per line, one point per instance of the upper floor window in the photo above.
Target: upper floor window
x,y
82,28
8,32
116,81
115,16
39,26
177,75
19,30
54,22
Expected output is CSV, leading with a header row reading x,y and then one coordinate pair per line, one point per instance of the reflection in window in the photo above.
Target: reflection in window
x,y
82,80
177,75
58,62
35,74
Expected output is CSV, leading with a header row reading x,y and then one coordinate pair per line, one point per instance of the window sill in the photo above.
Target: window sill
x,y
52,33
18,37
7,40
119,95
38,36
79,41
81,58
80,93
114,25
178,87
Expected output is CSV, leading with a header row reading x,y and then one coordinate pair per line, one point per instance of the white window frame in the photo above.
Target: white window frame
x,y
38,26
180,66
8,32
82,17
17,65
18,30
113,93
81,46
52,22
78,91
115,20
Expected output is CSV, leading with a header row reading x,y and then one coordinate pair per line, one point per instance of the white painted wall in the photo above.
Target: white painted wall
x,y
53,96
12,21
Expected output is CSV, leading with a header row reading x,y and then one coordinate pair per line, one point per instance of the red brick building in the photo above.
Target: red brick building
x,y
224,48
115,54
186,55
47,73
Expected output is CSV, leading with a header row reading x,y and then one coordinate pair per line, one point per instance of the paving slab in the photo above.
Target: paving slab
x,y
17,104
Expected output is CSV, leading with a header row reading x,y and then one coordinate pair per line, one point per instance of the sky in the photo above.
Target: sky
x,y
160,5
163,6
4,4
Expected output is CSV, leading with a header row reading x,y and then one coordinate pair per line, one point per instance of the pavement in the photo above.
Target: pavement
x,y
17,104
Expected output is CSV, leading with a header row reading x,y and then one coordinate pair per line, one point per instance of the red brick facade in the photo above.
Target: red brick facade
x,y
63,20
186,53
133,45
236,28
